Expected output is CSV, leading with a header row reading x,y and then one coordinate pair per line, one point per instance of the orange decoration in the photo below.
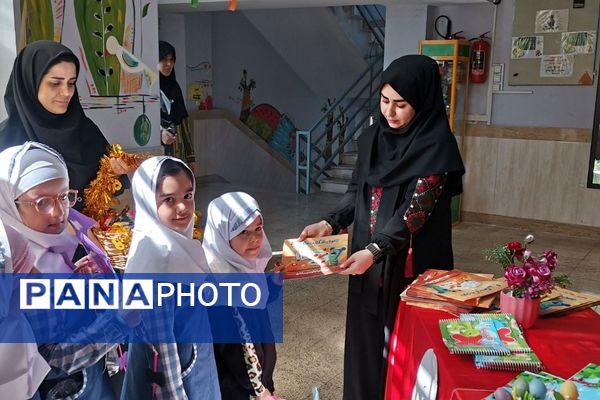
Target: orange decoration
x,y
232,5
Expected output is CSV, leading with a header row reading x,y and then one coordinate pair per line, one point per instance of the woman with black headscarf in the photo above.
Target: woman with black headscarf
x,y
408,169
43,106
175,135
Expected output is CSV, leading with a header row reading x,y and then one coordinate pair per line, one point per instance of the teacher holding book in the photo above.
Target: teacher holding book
x,y
408,169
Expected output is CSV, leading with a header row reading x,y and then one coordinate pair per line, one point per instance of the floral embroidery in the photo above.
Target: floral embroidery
x,y
376,193
427,193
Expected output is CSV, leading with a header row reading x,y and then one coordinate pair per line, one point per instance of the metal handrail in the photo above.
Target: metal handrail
x,y
310,168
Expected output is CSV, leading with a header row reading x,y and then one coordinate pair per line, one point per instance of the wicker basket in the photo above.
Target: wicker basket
x,y
117,253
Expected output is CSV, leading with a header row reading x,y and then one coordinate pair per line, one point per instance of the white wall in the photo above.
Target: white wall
x,y
236,45
8,47
405,25
198,31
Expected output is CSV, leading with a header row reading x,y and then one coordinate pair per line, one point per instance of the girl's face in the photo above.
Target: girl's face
x,y
54,220
57,87
166,65
394,108
248,243
175,201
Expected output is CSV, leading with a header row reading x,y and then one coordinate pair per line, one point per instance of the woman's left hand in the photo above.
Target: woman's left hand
x,y
357,264
120,167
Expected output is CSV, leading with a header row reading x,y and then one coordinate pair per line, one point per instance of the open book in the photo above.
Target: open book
x,y
314,256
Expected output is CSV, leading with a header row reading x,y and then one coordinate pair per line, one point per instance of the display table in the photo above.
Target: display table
x,y
565,344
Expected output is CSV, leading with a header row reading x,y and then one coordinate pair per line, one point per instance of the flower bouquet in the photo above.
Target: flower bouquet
x,y
529,277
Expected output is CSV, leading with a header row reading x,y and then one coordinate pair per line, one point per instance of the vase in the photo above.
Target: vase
x,y
524,310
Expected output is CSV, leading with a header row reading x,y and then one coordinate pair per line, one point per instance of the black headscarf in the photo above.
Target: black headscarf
x,y
72,134
426,146
171,89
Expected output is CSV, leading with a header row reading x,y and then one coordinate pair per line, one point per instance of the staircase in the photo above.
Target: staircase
x,y
326,153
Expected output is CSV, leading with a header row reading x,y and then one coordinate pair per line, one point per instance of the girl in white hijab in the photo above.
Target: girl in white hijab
x,y
35,200
163,191
23,369
235,242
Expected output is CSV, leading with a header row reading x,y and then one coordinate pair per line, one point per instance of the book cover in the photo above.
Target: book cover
x,y
551,382
567,300
314,256
454,286
507,328
471,337
509,362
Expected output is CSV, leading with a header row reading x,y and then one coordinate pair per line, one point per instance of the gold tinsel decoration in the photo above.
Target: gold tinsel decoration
x,y
99,195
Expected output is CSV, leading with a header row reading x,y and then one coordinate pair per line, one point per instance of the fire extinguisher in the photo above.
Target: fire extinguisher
x,y
480,51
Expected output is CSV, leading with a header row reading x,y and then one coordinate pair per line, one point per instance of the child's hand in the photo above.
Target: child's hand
x,y
316,230
87,265
120,167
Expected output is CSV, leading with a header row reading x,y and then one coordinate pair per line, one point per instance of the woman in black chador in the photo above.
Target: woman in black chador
x,y
408,169
43,106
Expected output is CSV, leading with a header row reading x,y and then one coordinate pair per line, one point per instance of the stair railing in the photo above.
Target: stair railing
x,y
315,156
371,16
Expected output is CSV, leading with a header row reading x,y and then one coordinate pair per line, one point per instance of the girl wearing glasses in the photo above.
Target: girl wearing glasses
x,y
35,200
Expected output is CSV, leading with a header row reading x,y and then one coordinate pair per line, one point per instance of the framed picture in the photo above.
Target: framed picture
x,y
594,169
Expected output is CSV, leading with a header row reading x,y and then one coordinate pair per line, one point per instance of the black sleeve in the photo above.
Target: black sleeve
x,y
414,211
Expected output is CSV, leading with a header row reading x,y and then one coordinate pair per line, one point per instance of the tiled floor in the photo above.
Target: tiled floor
x,y
314,309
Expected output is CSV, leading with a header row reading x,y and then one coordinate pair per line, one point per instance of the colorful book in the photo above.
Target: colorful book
x,y
507,328
454,286
314,256
477,336
510,362
567,300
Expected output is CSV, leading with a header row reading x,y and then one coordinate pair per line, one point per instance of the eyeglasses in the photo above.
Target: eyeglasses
x,y
46,204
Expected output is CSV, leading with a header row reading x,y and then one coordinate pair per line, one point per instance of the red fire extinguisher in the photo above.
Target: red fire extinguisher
x,y
480,51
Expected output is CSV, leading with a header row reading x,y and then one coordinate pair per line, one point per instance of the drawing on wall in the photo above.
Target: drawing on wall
x,y
246,87
578,42
200,90
527,47
547,21
116,42
556,65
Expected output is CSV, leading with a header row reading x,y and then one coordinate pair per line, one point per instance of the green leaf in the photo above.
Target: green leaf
x,y
97,20
39,20
145,10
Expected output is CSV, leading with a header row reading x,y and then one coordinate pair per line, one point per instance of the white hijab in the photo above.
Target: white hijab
x,y
228,215
23,369
156,248
21,169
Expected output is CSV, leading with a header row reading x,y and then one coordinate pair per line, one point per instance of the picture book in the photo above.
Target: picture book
x,y
510,362
567,300
587,381
477,336
456,286
314,256
508,330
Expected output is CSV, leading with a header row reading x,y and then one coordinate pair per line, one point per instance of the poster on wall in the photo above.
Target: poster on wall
x,y
553,45
551,21
116,42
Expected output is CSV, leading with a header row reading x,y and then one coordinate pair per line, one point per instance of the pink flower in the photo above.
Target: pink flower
x,y
551,259
515,276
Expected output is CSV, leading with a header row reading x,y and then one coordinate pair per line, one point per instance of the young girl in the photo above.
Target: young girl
x,y
26,368
234,241
163,190
35,200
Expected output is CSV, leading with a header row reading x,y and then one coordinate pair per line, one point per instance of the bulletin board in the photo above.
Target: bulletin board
x,y
553,42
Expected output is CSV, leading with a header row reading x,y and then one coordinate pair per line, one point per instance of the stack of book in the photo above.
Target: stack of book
x,y
455,291
495,340
564,300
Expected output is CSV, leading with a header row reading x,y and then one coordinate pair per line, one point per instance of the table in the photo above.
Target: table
x,y
565,344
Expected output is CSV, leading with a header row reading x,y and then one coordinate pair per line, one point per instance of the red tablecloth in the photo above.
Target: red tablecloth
x,y
564,344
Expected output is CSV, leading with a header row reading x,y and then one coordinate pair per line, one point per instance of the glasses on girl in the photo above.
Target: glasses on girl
x,y
46,204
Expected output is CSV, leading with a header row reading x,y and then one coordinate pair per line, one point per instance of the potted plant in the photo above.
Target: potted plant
x,y
528,276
